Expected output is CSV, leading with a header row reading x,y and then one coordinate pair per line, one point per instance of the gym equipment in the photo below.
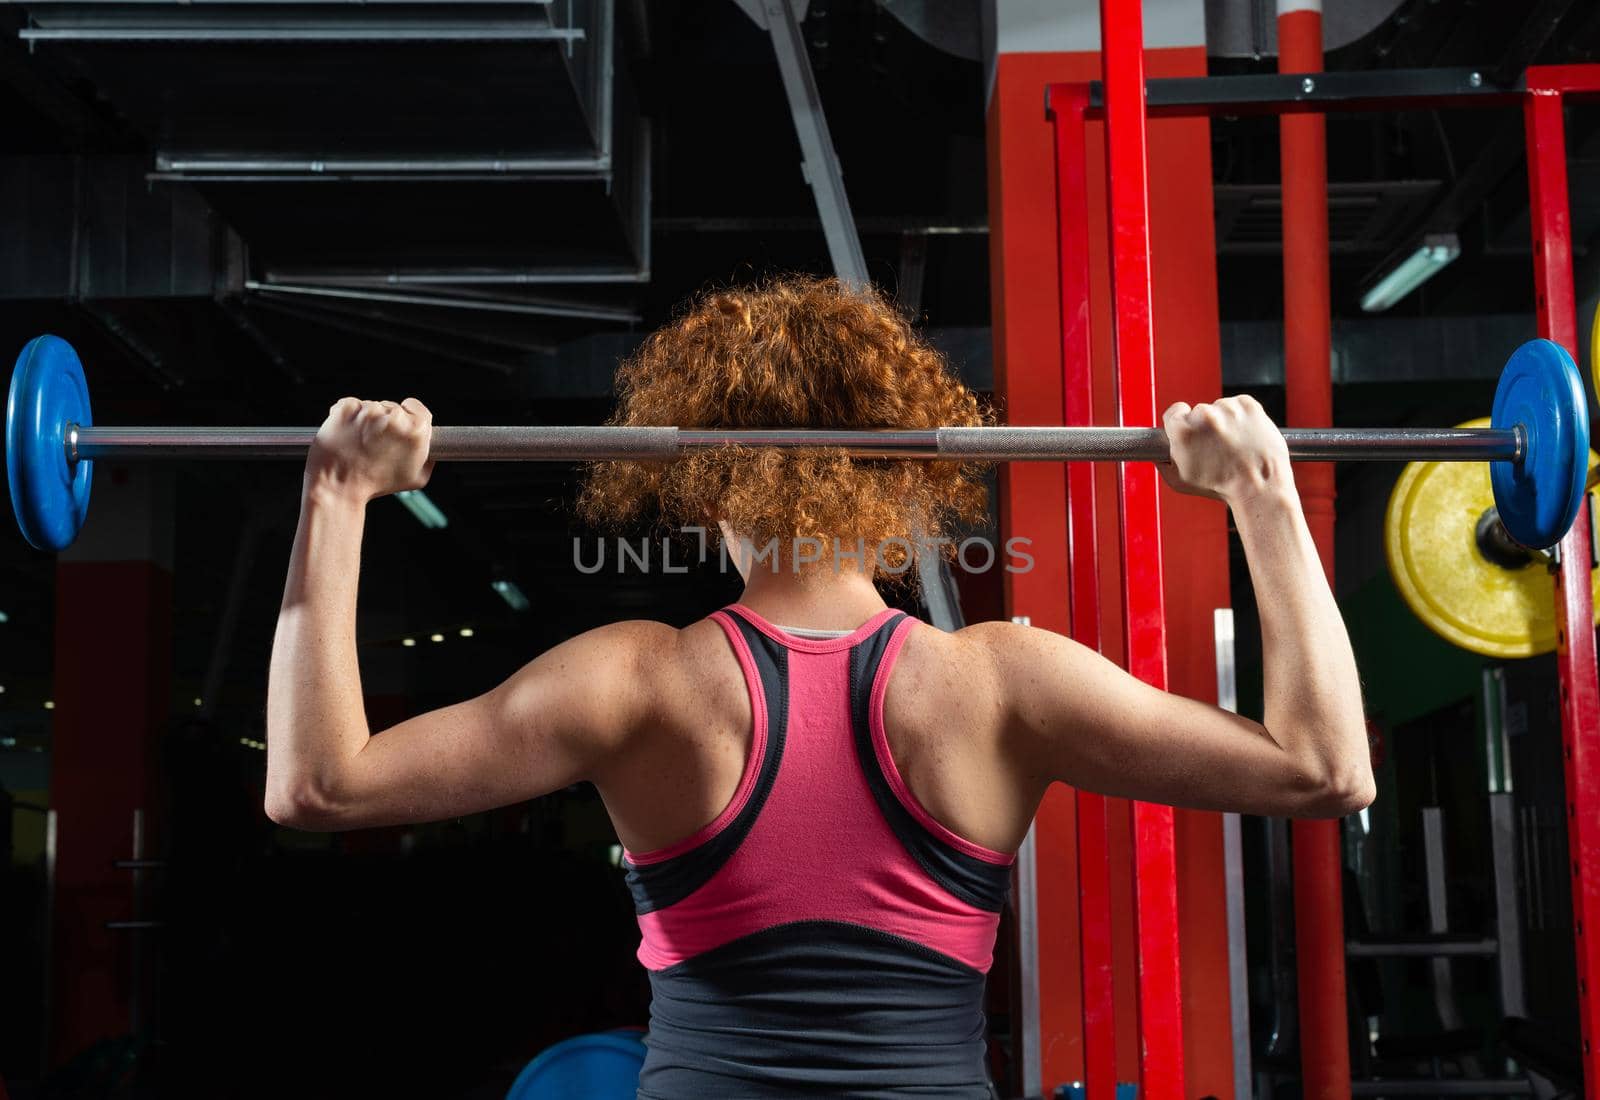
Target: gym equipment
x,y
49,493
1537,437
597,1067
1594,350
1541,390
1457,568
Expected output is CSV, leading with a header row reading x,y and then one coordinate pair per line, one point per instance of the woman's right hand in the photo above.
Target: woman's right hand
x,y
1227,450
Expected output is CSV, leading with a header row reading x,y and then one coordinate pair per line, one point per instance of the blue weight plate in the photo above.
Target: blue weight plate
x,y
49,495
1541,390
595,1067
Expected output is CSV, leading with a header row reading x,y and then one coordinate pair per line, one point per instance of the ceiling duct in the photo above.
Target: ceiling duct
x,y
85,228
446,137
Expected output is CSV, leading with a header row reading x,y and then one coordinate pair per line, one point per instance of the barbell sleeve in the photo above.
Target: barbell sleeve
x,y
1002,444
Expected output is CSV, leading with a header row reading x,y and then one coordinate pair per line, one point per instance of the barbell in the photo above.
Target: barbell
x,y
1537,443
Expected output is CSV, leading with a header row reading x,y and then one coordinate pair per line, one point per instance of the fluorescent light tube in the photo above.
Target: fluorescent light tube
x,y
426,511
1428,260
510,593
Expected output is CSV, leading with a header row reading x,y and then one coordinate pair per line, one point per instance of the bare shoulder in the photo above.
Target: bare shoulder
x,y
1052,684
632,679
649,652
983,654
675,672
945,676
1021,663
704,660
620,648
1000,647
1015,650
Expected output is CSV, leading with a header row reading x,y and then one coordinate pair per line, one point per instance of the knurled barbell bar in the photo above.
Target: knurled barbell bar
x,y
1537,441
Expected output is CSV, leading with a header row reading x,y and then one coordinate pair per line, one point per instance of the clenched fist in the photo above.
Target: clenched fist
x,y
1227,450
368,449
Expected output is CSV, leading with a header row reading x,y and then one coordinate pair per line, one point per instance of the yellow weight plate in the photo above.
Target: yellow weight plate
x,y
1430,537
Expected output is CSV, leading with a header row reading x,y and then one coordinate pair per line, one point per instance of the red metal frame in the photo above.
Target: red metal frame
x,y
1094,870
1548,88
1317,861
1550,216
1159,1000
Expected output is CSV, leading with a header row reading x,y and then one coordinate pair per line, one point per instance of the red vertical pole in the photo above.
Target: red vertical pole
x,y
1155,863
1580,692
1068,103
1318,889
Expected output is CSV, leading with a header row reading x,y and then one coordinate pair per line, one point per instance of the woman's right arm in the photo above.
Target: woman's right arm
x,y
1079,718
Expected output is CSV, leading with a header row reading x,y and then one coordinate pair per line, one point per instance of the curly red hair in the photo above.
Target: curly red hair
x,y
795,352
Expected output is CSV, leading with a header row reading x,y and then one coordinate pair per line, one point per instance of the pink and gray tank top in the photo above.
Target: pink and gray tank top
x,y
824,934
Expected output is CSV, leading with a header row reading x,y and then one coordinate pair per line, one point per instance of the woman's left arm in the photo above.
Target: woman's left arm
x,y
553,723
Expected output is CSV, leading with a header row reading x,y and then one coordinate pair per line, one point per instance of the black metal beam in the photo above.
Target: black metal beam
x,y
1286,93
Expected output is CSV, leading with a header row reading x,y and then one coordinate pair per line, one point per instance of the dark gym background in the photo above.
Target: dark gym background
x,y
160,208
